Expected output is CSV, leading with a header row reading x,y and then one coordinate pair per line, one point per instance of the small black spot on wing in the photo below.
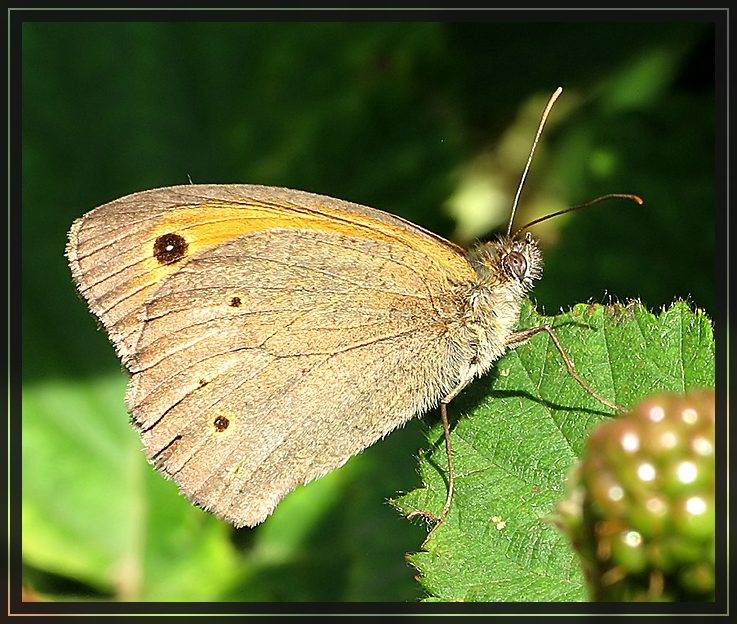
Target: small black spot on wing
x,y
221,423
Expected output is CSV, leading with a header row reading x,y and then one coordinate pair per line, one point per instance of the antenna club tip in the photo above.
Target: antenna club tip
x,y
638,199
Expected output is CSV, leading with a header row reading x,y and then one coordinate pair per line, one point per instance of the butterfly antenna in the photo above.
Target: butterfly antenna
x,y
635,198
540,127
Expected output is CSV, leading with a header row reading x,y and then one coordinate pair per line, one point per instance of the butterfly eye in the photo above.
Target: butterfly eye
x,y
516,264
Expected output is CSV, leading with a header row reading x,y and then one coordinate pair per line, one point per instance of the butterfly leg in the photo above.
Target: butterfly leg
x,y
451,479
515,339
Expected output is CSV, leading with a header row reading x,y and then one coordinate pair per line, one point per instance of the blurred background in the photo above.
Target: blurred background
x,y
430,121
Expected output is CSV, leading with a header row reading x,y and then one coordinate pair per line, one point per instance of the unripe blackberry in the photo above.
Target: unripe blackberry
x,y
641,507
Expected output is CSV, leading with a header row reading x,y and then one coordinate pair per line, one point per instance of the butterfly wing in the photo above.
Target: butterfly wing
x,y
112,249
267,359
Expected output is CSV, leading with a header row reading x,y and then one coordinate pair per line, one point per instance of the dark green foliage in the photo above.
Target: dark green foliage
x,y
387,114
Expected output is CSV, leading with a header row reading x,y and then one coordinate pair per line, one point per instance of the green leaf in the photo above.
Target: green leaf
x,y
516,434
